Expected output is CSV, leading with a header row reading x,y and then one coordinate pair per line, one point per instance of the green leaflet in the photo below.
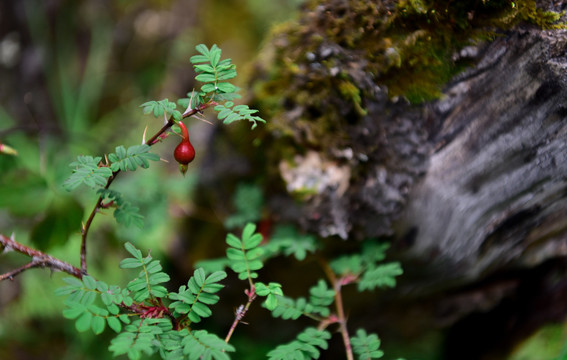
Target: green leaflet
x,y
129,160
245,254
381,276
287,240
161,108
366,346
230,114
93,304
365,267
248,201
318,305
305,346
203,345
272,292
147,284
125,213
86,171
195,298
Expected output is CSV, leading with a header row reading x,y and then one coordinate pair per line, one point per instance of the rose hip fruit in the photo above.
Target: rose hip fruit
x,y
184,152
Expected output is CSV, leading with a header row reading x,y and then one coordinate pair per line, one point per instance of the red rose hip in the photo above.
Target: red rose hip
x,y
184,153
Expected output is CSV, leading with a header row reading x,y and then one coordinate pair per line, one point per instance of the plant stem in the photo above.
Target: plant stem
x,y
39,259
241,312
341,318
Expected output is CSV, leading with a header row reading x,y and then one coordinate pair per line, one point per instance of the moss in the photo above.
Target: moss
x,y
323,70
350,92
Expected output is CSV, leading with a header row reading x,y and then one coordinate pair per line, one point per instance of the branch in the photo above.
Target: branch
x,y
39,259
241,312
341,318
150,142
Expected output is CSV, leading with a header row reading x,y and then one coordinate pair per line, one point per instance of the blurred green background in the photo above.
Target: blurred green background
x,y
73,74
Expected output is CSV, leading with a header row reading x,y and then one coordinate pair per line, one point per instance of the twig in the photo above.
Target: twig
x,y
39,259
241,312
341,318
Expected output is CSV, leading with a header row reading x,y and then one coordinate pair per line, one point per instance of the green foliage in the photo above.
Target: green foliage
x,y
125,213
354,264
167,329
140,338
90,171
151,336
288,241
272,292
162,108
136,155
212,265
318,305
193,299
320,297
212,72
289,308
245,254
380,276
202,345
370,275
248,201
87,170
146,285
303,347
89,313
230,114
94,304
366,346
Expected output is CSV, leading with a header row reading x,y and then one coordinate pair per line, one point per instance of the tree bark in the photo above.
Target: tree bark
x,y
494,194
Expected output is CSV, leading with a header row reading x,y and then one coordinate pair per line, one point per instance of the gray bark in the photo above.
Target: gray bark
x,y
494,195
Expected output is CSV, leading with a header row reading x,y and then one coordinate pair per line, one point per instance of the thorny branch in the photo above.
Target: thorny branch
x,y
152,141
39,259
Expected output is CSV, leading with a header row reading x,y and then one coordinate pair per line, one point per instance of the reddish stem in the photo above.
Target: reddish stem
x,y
184,131
241,312
341,318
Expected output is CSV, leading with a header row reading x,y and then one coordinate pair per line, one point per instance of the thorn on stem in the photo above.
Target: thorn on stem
x,y
144,135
